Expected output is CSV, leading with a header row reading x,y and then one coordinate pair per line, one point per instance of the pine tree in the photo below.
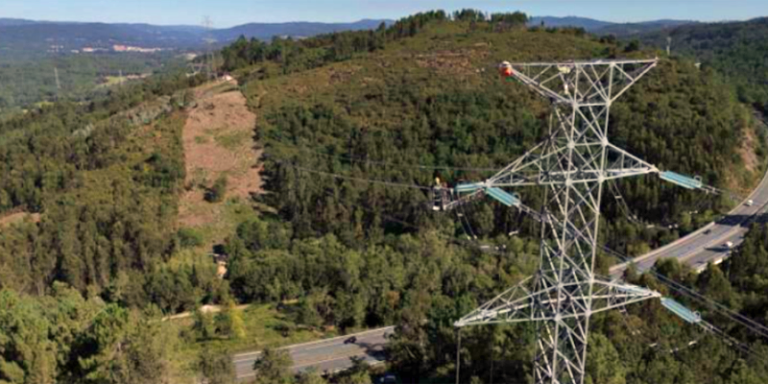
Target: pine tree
x,y
274,367
203,326
216,367
229,322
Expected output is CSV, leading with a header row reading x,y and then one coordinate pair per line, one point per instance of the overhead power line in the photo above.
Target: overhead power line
x,y
383,163
352,178
731,315
750,324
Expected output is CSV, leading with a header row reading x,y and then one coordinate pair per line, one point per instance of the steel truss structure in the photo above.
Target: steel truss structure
x,y
572,165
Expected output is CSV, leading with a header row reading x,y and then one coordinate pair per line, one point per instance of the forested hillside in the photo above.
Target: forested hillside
x,y
629,30
93,188
735,49
355,128
105,196
350,148
25,82
415,105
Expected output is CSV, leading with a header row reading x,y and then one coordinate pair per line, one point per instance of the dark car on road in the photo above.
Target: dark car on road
x,y
351,340
388,379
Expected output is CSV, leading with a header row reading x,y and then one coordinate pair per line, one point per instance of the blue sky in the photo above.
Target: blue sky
x,y
226,13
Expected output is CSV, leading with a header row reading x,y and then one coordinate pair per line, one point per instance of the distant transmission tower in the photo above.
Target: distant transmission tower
x,y
669,45
209,40
58,83
572,165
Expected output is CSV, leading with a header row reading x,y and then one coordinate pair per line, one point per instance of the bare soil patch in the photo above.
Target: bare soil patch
x,y
203,309
218,139
747,150
16,217
342,74
745,177
451,62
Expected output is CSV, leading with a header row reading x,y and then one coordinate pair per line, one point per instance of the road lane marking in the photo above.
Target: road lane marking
x,y
299,353
317,362
727,236
331,340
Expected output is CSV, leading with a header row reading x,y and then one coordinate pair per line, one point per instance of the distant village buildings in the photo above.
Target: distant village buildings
x,y
119,48
128,48
55,48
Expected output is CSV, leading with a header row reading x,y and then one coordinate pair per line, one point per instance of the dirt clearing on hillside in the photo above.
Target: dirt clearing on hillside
x,y
218,140
744,177
454,63
747,150
16,217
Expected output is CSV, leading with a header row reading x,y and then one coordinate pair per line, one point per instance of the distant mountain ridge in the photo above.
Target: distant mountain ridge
x,y
633,29
608,28
568,21
266,31
10,22
30,37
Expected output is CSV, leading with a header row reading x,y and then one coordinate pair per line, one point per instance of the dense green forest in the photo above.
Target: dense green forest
x,y
355,128
735,49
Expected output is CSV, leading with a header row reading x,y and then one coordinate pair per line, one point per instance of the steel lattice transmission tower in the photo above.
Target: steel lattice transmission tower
x,y
572,165
210,56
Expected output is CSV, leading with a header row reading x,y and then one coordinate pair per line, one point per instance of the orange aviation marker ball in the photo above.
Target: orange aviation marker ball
x,y
505,68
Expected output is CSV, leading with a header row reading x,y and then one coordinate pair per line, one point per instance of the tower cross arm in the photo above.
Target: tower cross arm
x,y
517,304
550,168
596,82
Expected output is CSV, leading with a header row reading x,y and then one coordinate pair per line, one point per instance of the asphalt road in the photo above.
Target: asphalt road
x,y
708,243
696,249
329,355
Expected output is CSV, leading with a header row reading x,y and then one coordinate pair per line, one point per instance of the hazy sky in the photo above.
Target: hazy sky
x,y
226,13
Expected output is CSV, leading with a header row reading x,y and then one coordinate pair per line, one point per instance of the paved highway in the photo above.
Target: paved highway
x,y
707,243
696,249
329,355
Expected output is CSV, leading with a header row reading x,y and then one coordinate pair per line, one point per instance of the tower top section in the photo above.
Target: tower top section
x,y
579,83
